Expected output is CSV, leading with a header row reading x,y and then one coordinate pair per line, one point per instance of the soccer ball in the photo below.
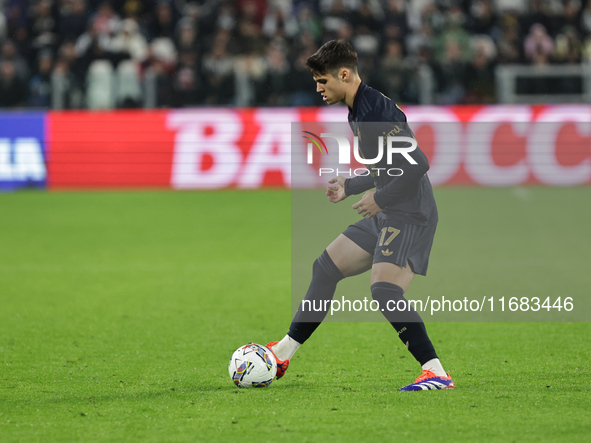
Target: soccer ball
x,y
252,366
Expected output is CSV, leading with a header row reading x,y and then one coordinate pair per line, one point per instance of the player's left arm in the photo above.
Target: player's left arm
x,y
400,185
373,203
367,206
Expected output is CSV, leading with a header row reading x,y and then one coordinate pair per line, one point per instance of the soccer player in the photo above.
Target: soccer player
x,y
395,235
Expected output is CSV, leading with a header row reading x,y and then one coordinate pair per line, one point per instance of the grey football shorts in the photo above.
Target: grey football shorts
x,y
392,241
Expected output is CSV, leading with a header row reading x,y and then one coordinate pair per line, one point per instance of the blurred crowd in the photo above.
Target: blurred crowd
x,y
70,54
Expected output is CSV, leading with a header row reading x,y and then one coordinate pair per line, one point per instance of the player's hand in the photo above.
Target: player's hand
x,y
367,206
336,189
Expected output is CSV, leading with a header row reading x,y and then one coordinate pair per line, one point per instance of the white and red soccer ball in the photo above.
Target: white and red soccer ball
x,y
252,366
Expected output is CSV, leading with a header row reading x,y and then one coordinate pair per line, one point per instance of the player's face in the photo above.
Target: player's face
x,y
330,88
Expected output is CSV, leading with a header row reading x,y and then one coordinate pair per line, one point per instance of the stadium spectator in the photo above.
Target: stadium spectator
x,y
253,11
218,68
250,76
164,22
43,28
452,30
418,11
586,19
68,55
188,81
73,16
309,22
450,74
106,21
572,14
281,22
568,46
226,16
130,41
9,52
395,21
249,32
420,41
16,25
369,15
13,89
480,86
482,18
186,36
302,85
39,95
545,13
538,45
365,42
393,72
66,89
158,71
277,83
508,45
223,52
335,17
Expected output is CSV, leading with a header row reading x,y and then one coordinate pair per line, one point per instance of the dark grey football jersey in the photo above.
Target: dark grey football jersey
x,y
407,196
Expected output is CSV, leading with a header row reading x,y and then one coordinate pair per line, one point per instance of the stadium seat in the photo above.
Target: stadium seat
x,y
100,85
129,92
164,50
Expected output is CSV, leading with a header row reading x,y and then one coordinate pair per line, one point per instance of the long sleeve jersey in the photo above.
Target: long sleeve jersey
x,y
407,196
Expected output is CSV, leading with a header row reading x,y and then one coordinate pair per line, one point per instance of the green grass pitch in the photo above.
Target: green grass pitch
x,y
119,312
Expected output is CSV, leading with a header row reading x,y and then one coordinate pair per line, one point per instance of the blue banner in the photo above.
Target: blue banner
x,y
22,151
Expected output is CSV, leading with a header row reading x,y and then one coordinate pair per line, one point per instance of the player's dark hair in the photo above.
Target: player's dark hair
x,y
331,57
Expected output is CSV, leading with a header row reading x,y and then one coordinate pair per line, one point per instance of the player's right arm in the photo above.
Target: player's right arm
x,y
340,188
336,189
